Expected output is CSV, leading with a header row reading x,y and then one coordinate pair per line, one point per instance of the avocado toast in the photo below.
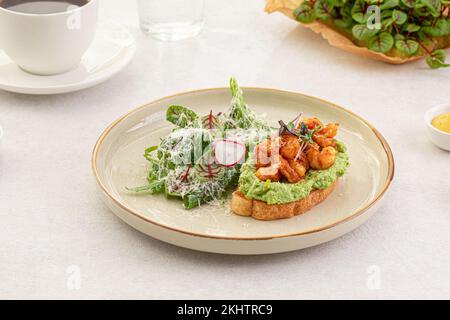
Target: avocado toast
x,y
290,173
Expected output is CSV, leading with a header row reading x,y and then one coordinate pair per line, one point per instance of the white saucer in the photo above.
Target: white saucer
x,y
111,51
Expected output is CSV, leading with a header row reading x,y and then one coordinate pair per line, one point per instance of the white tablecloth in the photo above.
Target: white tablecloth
x,y
58,240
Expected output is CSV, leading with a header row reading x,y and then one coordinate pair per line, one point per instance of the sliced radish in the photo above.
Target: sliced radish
x,y
228,153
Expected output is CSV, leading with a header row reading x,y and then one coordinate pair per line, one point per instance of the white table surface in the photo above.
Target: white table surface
x,y
53,223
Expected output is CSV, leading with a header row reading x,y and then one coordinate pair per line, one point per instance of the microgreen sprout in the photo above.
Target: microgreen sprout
x,y
406,28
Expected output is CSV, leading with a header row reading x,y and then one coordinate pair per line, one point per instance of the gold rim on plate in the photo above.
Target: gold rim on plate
x,y
356,214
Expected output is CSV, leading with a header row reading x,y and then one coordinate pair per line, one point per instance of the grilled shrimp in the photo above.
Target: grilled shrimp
x,y
330,131
323,159
324,141
289,146
266,151
288,172
266,173
325,136
298,167
312,123
263,153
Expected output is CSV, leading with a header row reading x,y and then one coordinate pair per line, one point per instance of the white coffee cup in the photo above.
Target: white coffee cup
x,y
49,43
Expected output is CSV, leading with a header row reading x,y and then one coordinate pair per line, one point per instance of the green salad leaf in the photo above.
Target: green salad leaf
x,y
433,5
362,32
324,10
437,60
412,27
409,3
183,165
408,47
389,4
382,42
358,11
305,13
439,29
239,115
399,17
181,116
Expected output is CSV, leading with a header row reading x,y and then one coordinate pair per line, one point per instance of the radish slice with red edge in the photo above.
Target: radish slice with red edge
x,y
228,153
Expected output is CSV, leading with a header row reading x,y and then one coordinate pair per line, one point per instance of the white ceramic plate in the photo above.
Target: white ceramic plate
x,y
118,163
111,51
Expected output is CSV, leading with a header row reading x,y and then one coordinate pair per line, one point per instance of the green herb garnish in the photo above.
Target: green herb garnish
x,y
300,130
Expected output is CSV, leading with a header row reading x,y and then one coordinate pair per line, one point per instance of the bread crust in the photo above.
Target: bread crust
x,y
261,210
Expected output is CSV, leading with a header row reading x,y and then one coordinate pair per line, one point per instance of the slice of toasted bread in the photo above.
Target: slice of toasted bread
x,y
260,210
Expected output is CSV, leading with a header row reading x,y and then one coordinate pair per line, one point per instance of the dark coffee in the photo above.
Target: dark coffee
x,y
41,7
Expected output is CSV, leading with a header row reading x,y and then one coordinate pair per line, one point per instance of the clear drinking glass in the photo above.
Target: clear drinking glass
x,y
171,19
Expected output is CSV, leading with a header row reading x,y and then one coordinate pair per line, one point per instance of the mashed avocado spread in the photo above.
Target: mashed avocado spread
x,y
282,192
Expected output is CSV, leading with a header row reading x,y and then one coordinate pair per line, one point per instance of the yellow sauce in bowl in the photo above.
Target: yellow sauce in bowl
x,y
442,122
